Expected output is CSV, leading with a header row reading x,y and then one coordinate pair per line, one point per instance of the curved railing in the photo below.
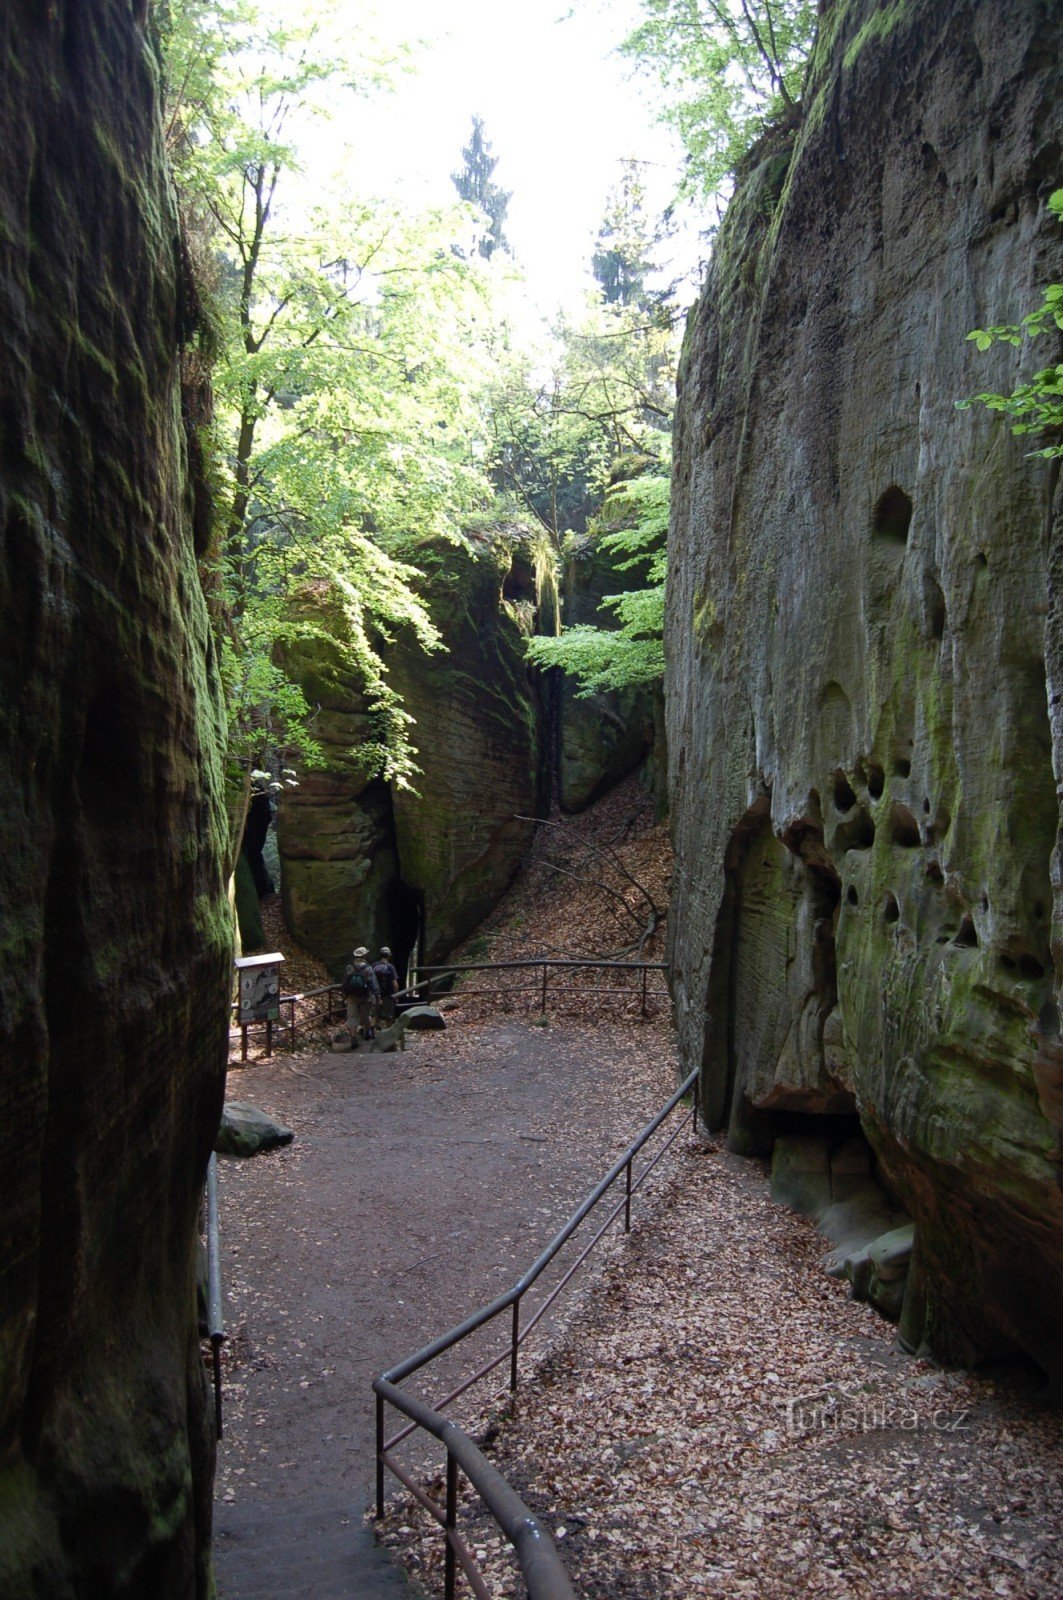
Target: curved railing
x,y
544,1576
426,979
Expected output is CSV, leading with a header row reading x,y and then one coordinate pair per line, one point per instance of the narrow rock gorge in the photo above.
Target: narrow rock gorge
x,y
112,878
601,736
864,655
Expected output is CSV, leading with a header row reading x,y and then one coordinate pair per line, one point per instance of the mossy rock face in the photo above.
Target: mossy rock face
x,y
478,727
248,908
116,925
864,696
335,832
604,736
348,841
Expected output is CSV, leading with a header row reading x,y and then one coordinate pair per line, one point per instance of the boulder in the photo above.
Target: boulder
x,y
878,1273
247,1131
423,1018
864,644
891,1252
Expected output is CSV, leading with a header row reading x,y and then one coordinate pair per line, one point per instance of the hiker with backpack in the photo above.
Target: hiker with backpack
x,y
362,991
387,978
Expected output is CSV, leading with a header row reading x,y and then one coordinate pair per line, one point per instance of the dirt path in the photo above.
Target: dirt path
x,y
419,1185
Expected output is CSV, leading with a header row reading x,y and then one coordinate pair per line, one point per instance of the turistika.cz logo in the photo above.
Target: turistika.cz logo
x,y
850,1410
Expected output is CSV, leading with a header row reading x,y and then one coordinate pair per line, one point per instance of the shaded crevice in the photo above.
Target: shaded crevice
x,y
904,830
404,910
857,833
842,790
934,609
892,517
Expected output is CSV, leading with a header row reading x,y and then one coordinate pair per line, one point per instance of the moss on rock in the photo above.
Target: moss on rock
x,y
858,670
116,850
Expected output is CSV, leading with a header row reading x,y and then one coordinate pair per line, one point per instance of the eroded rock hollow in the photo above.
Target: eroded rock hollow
x,y
115,920
864,653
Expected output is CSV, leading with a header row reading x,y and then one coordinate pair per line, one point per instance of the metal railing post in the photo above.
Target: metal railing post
x,y
449,1572
215,1323
379,1456
427,978
694,1102
534,1548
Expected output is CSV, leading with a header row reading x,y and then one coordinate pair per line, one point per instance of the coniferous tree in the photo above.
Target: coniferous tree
x,y
474,183
628,240
621,255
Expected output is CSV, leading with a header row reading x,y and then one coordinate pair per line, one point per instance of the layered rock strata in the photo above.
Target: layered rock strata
x,y
480,728
335,833
364,861
864,653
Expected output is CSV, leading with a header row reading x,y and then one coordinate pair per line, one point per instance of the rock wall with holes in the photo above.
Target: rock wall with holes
x,y
365,861
864,653
115,922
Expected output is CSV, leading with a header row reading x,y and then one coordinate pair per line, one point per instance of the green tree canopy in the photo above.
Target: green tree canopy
x,y
346,367
728,69
625,255
634,517
1036,406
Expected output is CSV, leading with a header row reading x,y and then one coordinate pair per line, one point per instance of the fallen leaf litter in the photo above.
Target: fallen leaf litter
x,y
715,1417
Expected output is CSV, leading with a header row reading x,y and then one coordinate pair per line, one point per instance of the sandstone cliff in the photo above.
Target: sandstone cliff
x,y
365,861
863,615
114,980
603,736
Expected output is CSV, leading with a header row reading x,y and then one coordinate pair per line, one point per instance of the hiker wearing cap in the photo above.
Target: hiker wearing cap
x,y
363,992
387,978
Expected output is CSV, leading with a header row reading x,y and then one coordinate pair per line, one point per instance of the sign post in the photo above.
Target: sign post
x,y
259,994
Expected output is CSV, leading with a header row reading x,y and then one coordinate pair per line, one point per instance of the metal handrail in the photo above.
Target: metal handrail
x,y
415,988
215,1310
539,1561
538,1579
551,961
546,963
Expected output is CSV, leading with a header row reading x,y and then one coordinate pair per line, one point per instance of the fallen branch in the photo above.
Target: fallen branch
x,y
609,854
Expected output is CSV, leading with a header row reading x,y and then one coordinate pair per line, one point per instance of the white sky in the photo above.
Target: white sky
x,y
560,111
